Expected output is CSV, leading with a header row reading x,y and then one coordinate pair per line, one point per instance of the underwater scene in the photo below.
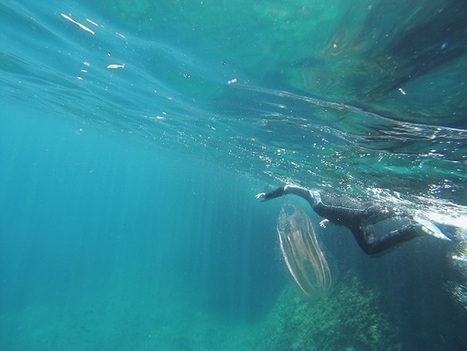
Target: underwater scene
x,y
233,175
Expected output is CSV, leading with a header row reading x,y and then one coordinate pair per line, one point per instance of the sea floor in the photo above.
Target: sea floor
x,y
120,322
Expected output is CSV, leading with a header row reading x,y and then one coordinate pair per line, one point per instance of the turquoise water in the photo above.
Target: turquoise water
x,y
135,134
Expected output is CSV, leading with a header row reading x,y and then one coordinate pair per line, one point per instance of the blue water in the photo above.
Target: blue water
x,y
135,134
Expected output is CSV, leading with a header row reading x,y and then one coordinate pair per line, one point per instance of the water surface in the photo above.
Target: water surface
x,y
135,134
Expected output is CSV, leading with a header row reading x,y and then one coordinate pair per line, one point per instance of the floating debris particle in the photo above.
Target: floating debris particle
x,y
121,36
92,22
232,81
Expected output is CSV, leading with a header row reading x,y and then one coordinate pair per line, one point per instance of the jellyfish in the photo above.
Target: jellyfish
x,y
301,251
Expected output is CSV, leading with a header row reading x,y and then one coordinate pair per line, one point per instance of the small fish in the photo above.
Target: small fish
x,y
116,66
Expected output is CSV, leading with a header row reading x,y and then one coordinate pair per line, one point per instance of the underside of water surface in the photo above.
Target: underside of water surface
x,y
135,134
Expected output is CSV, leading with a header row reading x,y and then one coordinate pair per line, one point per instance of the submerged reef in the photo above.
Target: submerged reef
x,y
348,319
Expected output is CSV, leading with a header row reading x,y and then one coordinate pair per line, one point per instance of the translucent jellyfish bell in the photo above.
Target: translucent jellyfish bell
x,y
302,253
